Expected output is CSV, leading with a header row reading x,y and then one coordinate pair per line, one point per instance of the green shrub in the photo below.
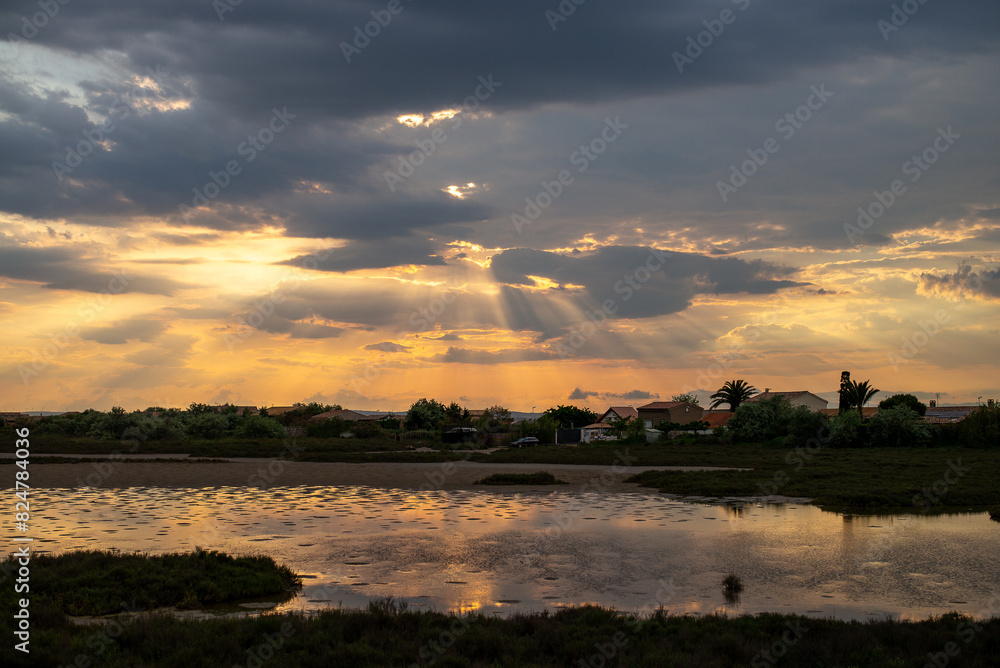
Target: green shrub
x,y
207,425
898,427
255,426
328,428
848,431
908,400
759,421
981,427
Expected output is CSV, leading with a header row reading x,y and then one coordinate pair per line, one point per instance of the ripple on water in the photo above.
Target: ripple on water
x,y
493,549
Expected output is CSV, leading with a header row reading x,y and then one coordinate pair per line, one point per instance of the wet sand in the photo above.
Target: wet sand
x,y
279,473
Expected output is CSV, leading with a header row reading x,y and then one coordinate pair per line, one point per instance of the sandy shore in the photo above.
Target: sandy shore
x,y
277,473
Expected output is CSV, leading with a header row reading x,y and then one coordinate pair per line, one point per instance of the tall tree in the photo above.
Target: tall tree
x,y
571,415
859,394
734,393
425,414
688,397
845,384
908,400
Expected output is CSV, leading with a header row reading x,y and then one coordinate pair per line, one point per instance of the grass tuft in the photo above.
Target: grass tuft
x,y
540,478
732,583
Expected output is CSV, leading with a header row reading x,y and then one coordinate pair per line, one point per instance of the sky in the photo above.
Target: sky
x,y
523,203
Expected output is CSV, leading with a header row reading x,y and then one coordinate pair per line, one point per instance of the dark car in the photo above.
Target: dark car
x,y
523,442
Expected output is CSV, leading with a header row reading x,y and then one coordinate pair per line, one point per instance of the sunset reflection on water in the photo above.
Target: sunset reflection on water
x,y
496,552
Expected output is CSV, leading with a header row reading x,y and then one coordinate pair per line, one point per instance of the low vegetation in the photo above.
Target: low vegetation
x,y
589,636
922,479
101,582
540,478
732,583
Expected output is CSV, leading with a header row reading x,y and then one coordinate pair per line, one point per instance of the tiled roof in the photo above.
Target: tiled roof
x,y
343,415
278,410
867,411
599,425
717,418
787,395
661,405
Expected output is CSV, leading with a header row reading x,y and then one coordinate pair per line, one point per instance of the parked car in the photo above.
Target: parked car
x,y
523,442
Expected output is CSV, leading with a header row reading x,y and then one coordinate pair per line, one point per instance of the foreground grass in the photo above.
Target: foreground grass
x,y
100,582
572,637
540,478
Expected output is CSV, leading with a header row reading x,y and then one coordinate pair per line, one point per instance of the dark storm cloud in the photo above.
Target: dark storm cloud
x,y
578,395
370,255
62,269
507,356
432,53
632,395
965,283
269,56
388,347
642,282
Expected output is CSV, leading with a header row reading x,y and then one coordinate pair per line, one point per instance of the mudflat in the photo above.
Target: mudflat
x,y
279,473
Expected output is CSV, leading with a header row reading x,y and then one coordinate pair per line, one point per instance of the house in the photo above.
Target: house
x,y
279,410
616,413
350,416
717,418
239,409
10,416
796,398
599,431
680,412
866,412
948,414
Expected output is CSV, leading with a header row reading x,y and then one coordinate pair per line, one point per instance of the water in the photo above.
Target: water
x,y
497,552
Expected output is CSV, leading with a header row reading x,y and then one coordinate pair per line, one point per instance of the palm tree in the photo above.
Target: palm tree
x,y
859,394
734,393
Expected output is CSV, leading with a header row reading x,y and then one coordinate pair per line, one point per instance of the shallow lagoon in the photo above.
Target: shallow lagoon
x,y
494,551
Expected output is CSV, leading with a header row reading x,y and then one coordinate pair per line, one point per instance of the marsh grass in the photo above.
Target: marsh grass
x,y
841,479
394,637
540,478
101,582
732,583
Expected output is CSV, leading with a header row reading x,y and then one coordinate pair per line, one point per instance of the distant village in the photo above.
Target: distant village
x,y
685,411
